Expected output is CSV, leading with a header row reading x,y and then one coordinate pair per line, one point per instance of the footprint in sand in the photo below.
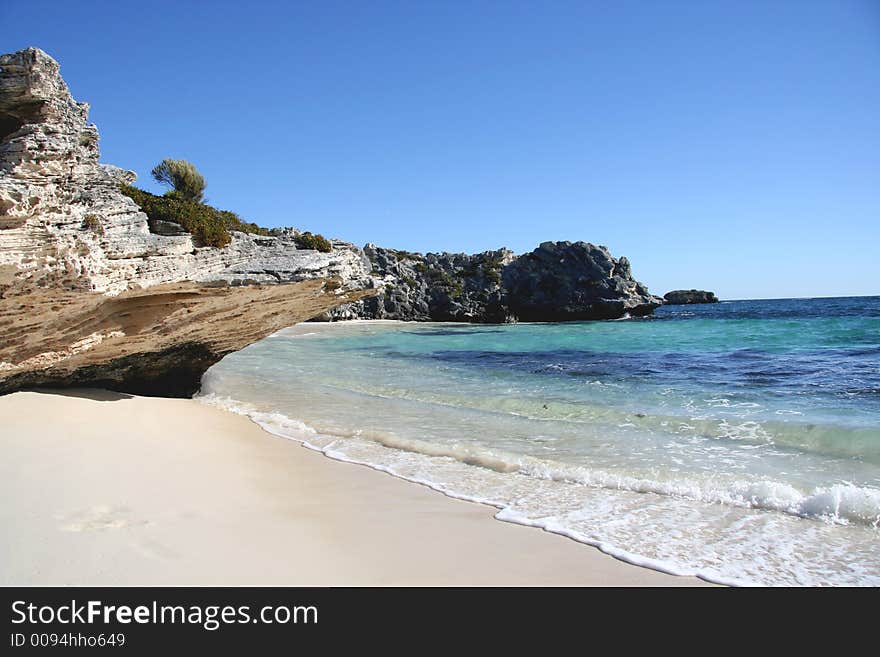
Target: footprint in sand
x,y
153,549
100,518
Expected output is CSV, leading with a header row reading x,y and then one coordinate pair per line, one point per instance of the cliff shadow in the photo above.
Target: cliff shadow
x,y
95,394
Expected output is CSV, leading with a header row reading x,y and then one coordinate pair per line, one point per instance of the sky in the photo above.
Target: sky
x,y
724,145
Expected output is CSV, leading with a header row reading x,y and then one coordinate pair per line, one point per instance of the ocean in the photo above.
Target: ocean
x,y
738,442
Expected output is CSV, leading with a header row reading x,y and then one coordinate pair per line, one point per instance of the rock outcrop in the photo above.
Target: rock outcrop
x,y
78,260
562,281
681,297
558,281
440,287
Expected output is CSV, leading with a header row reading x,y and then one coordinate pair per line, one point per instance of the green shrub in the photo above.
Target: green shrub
x,y
443,279
234,222
182,176
309,241
208,226
494,275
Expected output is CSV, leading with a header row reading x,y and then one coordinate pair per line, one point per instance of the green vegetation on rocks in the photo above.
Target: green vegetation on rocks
x,y
208,225
317,242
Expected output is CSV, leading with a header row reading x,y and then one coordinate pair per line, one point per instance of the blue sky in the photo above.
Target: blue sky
x,y
733,146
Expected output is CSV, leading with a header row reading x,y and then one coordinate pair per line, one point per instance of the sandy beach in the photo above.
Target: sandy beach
x,y
100,488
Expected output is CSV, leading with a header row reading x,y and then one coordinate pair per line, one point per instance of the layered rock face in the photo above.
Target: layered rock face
x,y
64,222
677,297
558,281
70,241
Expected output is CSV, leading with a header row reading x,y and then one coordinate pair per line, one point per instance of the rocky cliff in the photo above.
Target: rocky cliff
x,y
78,261
558,281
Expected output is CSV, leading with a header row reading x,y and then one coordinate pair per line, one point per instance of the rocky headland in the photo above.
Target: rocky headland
x,y
683,297
558,281
95,292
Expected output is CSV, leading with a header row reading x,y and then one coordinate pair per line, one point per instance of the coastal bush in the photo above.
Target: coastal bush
x,y
234,222
404,255
182,176
317,242
445,281
208,225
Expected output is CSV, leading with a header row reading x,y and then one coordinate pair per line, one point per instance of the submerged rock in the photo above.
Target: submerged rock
x,y
682,297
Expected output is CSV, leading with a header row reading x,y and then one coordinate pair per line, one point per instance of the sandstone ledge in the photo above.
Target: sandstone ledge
x,y
157,341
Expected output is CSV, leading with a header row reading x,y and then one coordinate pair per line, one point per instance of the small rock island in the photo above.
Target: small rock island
x,y
683,297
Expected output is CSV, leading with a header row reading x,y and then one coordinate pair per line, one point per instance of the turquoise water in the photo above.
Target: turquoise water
x,y
738,441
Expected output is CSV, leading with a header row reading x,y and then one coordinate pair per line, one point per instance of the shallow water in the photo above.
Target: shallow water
x,y
737,441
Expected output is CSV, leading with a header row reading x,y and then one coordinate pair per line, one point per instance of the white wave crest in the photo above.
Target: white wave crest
x,y
839,503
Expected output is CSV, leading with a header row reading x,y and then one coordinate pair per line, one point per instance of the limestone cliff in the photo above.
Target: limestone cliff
x,y
64,222
83,281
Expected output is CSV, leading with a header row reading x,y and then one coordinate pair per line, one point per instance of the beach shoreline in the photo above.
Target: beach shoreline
x,y
102,488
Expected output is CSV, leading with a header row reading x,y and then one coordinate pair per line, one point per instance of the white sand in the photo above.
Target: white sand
x,y
99,488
